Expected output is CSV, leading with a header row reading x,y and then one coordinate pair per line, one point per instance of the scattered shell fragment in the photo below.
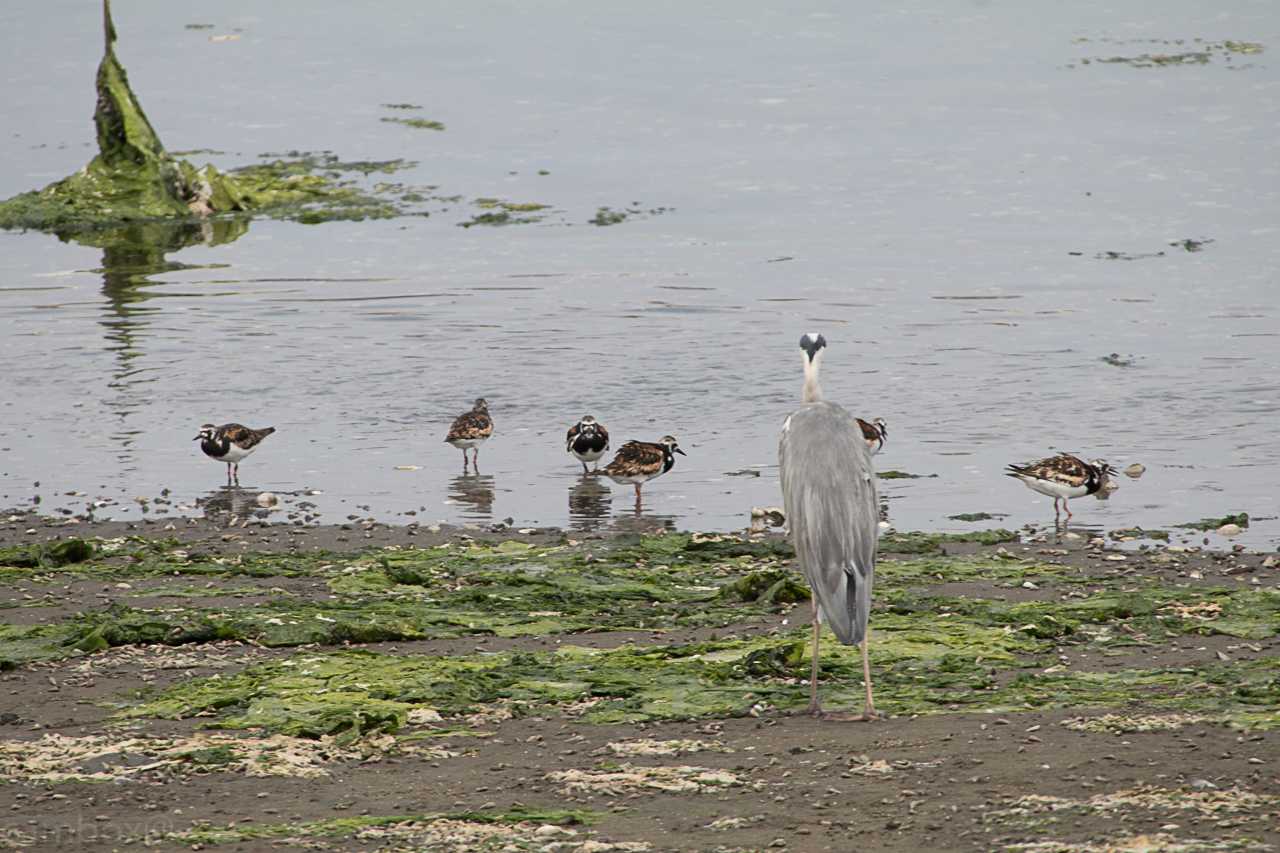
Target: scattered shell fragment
x,y
268,499
1136,470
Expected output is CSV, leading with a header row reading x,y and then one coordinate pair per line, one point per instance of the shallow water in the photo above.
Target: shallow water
x,y
929,188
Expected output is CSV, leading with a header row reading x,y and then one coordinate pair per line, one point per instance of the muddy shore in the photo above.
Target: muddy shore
x,y
186,684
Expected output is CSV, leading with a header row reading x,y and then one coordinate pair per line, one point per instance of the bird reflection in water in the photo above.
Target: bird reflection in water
x,y
589,502
641,522
229,505
131,255
475,493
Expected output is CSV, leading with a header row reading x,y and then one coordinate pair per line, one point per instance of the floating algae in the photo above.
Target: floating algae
x,y
133,179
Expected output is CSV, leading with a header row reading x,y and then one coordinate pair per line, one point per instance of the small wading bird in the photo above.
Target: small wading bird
x,y
587,440
638,462
470,430
230,443
1061,477
875,433
829,495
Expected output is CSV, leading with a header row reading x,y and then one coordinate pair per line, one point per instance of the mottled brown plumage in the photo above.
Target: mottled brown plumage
x,y
230,443
242,436
1061,477
470,429
587,440
637,462
875,433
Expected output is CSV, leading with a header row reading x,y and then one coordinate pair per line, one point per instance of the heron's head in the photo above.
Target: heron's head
x,y
587,421
207,431
480,405
812,344
669,442
881,426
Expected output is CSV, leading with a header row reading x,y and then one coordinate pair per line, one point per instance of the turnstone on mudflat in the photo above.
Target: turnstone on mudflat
x,y
587,440
638,462
1061,477
470,430
230,443
875,433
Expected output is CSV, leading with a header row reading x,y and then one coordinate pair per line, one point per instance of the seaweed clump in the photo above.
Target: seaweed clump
x,y
134,181
132,177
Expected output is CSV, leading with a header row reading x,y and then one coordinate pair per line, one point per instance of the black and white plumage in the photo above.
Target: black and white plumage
x,y
1061,477
587,440
875,433
638,462
230,443
470,430
829,496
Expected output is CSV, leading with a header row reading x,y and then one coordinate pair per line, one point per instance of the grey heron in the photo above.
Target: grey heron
x,y
829,495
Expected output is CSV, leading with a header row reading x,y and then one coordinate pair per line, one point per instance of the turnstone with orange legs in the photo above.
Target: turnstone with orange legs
x,y
1061,477
230,443
470,430
638,462
587,440
875,433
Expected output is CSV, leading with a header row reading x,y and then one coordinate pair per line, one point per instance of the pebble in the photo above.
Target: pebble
x,y
268,499
1269,563
1135,470
1229,530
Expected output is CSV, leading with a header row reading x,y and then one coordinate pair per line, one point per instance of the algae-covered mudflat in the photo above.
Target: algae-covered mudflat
x,y
245,687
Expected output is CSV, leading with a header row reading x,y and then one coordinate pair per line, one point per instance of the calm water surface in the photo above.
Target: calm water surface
x,y
935,187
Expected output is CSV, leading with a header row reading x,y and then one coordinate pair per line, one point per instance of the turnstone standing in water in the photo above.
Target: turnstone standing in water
x,y
638,462
875,433
587,440
230,443
1061,477
470,430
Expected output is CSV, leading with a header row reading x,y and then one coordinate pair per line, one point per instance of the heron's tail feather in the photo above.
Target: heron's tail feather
x,y
846,604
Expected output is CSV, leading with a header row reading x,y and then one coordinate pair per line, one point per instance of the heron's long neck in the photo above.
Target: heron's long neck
x,y
812,390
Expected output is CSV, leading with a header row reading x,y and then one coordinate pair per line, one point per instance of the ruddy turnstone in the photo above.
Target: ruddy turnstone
x,y
470,430
230,443
638,462
587,440
875,433
1061,477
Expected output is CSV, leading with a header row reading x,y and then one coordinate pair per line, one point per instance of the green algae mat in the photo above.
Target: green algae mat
x,y
992,647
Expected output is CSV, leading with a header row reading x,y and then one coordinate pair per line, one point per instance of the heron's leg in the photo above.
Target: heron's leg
x,y
814,707
1056,514
584,468
228,473
1067,507
870,712
236,468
